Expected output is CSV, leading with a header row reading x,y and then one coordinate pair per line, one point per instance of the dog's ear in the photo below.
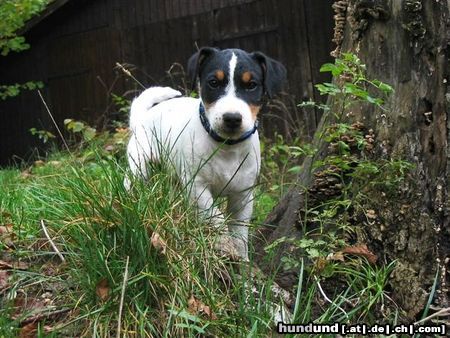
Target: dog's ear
x,y
195,63
274,73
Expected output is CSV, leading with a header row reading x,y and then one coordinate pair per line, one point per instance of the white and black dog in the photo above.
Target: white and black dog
x,y
213,140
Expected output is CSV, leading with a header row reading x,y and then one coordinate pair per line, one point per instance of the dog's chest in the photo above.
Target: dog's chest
x,y
230,171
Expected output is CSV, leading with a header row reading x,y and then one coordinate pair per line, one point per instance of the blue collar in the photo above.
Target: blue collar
x,y
217,137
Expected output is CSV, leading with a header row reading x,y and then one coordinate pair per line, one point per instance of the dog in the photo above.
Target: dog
x,y
213,140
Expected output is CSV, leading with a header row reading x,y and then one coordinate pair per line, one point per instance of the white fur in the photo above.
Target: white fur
x,y
226,170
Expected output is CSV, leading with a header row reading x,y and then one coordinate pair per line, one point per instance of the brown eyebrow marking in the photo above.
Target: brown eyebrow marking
x,y
246,77
220,75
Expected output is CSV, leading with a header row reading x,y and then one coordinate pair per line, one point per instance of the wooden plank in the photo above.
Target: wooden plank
x,y
153,10
139,13
297,60
319,42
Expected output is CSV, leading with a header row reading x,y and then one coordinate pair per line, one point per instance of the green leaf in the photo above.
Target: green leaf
x,y
295,170
89,133
328,89
313,252
275,243
304,243
334,69
387,89
185,315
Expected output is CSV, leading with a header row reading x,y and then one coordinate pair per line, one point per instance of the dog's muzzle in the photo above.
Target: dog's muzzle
x,y
232,121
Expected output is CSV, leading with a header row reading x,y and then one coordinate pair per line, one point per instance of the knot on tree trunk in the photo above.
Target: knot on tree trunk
x,y
413,21
362,13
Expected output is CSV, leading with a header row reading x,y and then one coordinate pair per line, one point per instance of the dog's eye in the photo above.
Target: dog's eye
x,y
252,85
213,83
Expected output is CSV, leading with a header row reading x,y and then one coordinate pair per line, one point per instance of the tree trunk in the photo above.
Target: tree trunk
x,y
405,44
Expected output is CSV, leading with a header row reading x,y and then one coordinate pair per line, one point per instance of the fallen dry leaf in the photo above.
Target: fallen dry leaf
x,y
109,148
13,265
196,306
39,163
6,228
4,275
29,330
320,263
361,250
337,256
158,243
55,163
6,214
26,173
102,289
7,235
27,308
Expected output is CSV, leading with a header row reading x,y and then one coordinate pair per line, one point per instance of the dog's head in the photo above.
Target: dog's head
x,y
232,84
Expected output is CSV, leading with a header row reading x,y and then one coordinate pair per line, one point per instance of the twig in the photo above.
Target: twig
x,y
43,315
122,296
53,120
128,73
440,313
328,299
51,241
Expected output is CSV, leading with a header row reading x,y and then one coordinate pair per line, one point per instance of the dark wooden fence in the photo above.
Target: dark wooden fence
x,y
75,50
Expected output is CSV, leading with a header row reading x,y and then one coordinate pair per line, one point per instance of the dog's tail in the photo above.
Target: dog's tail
x,y
148,99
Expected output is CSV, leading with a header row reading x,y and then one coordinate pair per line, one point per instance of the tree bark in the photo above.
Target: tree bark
x,y
405,44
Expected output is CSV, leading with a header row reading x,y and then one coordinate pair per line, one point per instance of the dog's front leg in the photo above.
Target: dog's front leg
x,y
205,202
240,208
224,243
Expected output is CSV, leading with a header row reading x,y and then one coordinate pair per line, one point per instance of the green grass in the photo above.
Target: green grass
x,y
185,290
97,224
150,246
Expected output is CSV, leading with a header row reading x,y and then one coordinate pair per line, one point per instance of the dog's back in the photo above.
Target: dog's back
x,y
144,102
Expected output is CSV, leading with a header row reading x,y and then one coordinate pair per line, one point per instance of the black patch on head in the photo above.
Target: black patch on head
x,y
213,88
197,61
253,90
267,75
274,73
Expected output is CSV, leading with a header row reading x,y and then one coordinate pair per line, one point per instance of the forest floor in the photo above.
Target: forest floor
x,y
81,256
77,249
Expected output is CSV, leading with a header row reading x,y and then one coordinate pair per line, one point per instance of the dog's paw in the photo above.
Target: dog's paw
x,y
225,246
241,247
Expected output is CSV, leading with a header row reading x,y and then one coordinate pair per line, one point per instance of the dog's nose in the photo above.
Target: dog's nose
x,y
232,120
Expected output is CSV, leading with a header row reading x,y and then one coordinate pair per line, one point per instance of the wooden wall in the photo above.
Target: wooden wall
x,y
75,49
